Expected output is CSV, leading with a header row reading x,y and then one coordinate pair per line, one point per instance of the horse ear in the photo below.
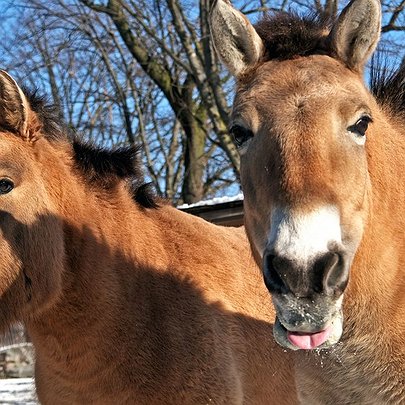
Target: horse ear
x,y
355,35
13,105
15,113
235,39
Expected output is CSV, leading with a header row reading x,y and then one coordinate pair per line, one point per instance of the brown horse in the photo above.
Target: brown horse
x,y
322,170
125,302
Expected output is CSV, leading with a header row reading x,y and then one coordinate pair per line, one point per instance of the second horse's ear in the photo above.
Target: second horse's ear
x,y
356,33
13,105
15,113
235,39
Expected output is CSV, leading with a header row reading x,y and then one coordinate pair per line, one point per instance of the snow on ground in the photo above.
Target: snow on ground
x,y
213,201
17,391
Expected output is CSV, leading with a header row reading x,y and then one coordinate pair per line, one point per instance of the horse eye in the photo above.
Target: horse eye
x,y
240,134
360,127
6,186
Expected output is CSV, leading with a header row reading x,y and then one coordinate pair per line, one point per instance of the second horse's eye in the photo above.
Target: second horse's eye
x,y
240,134
6,186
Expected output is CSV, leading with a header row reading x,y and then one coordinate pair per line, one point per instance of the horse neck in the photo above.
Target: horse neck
x,y
107,244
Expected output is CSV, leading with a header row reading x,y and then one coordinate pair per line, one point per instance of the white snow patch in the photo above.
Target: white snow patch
x,y
17,391
213,201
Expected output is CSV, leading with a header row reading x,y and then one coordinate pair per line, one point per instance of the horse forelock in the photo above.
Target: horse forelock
x,y
288,35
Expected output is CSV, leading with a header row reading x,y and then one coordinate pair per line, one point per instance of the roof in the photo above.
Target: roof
x,y
226,210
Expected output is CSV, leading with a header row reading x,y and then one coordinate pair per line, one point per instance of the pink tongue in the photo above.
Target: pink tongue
x,y
308,340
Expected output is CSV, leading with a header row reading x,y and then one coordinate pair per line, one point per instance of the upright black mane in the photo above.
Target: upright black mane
x,y
103,167
388,86
100,167
288,35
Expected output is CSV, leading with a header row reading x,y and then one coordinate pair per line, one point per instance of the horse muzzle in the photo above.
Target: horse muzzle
x,y
303,324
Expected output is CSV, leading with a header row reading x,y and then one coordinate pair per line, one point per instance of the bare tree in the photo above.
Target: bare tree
x,y
162,37
144,71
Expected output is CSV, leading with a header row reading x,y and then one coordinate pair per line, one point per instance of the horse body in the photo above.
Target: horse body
x,y
162,334
125,303
322,168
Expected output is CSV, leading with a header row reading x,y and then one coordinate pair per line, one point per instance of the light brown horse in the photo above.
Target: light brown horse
x,y
323,170
125,302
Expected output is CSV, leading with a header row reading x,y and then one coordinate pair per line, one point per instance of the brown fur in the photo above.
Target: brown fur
x,y
368,366
126,304
299,106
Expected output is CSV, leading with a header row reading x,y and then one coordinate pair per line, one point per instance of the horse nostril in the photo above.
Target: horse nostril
x,y
335,273
272,279
328,274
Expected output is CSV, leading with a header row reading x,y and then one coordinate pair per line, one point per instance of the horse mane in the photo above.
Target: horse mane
x,y
100,167
287,35
388,86
103,167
